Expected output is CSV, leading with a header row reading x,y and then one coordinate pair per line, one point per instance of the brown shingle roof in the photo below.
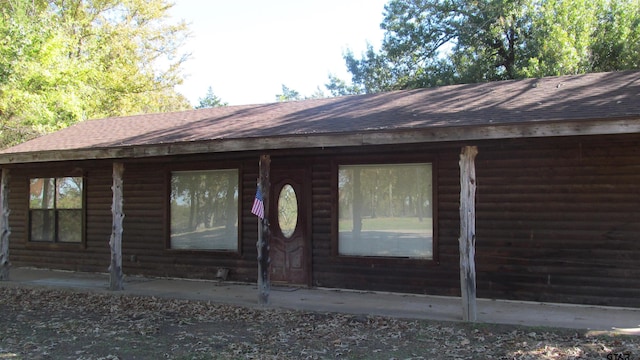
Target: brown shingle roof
x,y
582,97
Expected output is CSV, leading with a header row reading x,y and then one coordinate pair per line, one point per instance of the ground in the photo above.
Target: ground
x,y
38,323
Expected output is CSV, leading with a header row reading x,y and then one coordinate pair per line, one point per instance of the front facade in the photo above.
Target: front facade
x,y
363,207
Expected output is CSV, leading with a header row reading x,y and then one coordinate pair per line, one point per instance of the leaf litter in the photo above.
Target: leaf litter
x,y
39,323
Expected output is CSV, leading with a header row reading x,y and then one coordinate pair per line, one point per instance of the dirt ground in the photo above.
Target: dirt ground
x,y
65,324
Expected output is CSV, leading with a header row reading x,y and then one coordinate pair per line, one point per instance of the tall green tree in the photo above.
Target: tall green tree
x,y
339,87
561,38
210,100
616,41
65,61
439,42
288,95
20,44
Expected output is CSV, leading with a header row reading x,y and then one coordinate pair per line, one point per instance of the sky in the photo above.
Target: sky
x,y
245,50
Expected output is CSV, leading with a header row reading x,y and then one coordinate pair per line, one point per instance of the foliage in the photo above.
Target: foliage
x,y
560,39
73,60
210,100
339,87
209,197
288,95
616,42
438,42
385,190
317,94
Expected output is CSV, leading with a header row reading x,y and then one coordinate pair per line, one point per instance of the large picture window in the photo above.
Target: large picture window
x,y
55,209
204,210
385,210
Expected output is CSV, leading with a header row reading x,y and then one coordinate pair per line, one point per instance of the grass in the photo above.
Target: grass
x,y
389,223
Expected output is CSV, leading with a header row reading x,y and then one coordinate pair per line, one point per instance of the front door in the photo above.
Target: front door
x,y
289,247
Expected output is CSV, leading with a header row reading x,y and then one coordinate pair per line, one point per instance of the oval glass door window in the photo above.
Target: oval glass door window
x,y
287,210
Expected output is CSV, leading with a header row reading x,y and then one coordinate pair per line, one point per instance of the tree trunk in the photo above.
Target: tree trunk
x,y
115,242
264,283
5,231
467,232
47,216
230,205
357,204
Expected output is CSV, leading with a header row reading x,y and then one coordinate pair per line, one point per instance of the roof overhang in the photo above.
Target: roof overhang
x,y
327,140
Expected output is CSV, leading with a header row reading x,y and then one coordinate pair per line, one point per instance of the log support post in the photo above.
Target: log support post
x,y
468,232
264,283
5,231
115,269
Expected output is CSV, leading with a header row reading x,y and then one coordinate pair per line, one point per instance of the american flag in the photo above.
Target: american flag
x,y
258,206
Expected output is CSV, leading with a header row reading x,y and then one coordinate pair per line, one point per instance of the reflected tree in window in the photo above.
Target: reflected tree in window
x,y
204,210
55,209
385,210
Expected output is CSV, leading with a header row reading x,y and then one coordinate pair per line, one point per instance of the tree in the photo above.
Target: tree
x,y
210,100
293,95
288,95
19,46
435,42
616,42
65,61
560,38
317,94
339,87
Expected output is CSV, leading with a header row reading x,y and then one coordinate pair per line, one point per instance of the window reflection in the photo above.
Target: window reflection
x,y
204,210
69,193
55,209
385,210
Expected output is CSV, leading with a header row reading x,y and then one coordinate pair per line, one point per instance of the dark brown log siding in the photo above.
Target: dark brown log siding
x,y
558,219
144,231
324,273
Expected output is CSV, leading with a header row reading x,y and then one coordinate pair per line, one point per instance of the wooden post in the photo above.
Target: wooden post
x,y
468,232
5,231
264,283
115,269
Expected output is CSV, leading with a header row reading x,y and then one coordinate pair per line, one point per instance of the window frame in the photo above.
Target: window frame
x,y
55,242
382,160
196,168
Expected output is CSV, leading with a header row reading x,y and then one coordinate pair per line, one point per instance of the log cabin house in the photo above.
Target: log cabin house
x,y
365,191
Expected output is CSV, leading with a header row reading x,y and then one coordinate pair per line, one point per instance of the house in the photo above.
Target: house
x,y
365,191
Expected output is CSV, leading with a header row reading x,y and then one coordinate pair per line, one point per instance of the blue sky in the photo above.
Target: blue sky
x,y
246,49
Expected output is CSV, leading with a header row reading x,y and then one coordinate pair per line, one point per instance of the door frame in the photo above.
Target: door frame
x,y
278,173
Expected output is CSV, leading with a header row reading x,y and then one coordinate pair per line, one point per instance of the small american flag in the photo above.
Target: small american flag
x,y
258,205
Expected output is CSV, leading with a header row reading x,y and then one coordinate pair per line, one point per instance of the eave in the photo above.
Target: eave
x,y
533,129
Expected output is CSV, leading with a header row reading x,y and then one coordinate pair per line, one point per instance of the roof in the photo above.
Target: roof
x,y
597,103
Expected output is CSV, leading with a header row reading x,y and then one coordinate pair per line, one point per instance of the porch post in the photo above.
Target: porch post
x,y
5,231
468,232
264,283
115,269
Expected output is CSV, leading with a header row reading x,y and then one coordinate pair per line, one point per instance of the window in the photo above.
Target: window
x,y
385,210
204,210
55,209
287,211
